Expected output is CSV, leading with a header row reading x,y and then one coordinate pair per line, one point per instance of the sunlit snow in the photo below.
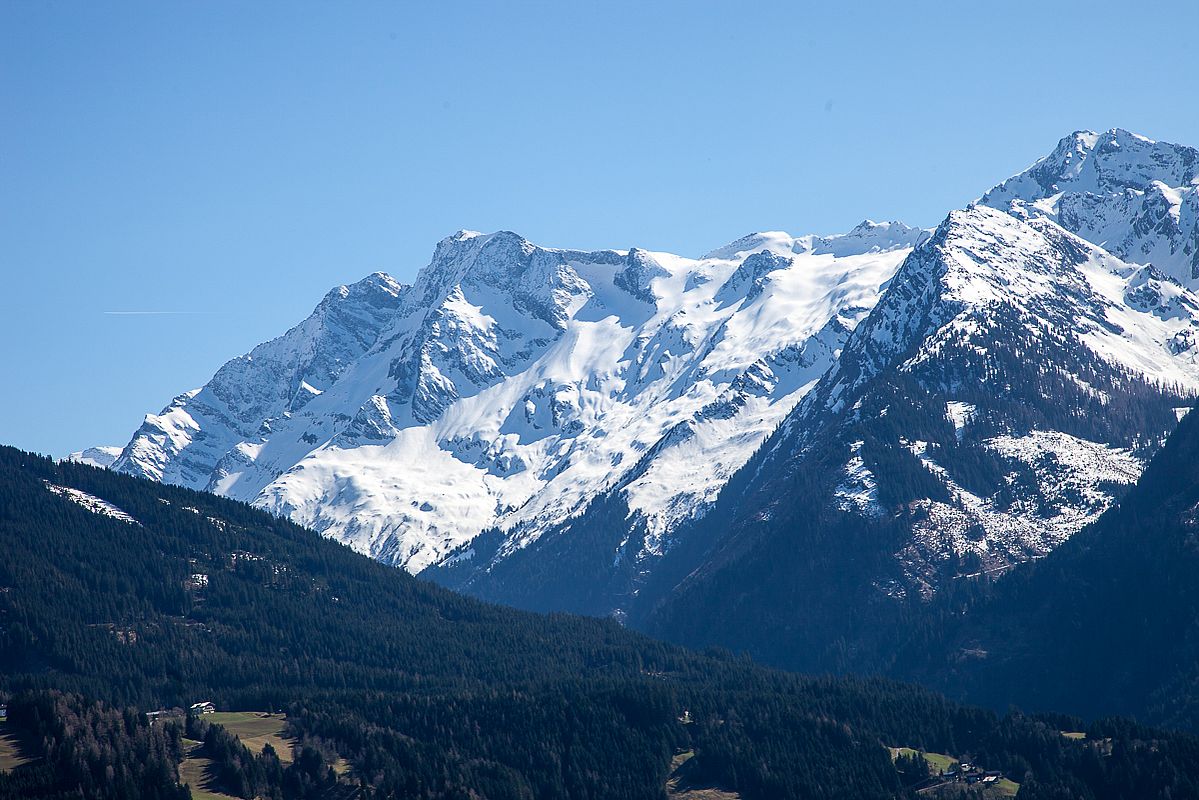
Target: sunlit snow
x,y
91,502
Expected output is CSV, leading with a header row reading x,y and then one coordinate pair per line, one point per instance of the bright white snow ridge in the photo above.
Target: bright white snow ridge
x,y
513,383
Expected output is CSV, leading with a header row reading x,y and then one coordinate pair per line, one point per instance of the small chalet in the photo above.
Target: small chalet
x,y
206,707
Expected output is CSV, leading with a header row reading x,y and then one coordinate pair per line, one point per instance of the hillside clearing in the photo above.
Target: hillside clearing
x,y
196,771
256,729
14,749
676,788
937,762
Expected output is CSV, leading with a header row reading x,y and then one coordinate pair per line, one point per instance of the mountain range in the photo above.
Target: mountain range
x,y
960,456
766,447
511,384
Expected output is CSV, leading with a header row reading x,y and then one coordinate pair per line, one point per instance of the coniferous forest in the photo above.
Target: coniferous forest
x,y
422,693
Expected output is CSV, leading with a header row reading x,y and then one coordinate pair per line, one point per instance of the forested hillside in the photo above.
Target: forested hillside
x,y
131,596
1105,624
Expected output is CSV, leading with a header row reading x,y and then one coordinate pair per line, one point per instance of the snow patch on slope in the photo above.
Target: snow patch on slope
x,y
960,414
1076,479
858,490
91,502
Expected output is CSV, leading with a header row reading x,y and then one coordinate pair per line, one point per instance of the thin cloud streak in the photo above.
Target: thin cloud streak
x,y
155,313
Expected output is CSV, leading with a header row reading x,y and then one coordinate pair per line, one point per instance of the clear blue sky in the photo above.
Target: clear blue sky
x,y
237,160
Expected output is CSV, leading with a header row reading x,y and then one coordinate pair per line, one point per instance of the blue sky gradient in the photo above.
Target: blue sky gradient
x,y
235,161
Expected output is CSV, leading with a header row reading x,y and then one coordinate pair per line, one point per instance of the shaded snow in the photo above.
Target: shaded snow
x,y
858,490
960,414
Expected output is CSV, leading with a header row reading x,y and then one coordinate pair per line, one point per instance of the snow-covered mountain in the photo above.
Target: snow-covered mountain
x,y
1008,386
1136,198
1023,345
512,383
101,456
783,425
207,438
1006,390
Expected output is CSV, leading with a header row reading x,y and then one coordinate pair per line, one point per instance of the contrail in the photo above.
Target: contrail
x,y
155,313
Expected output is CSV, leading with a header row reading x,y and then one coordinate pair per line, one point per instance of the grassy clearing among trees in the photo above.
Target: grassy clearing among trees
x,y
15,748
256,729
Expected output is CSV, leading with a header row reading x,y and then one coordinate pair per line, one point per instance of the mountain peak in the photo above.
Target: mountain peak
x,y
1099,163
1135,197
777,242
101,456
865,237
469,256
869,236
376,289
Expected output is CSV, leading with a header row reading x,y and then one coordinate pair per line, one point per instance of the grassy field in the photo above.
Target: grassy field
x,y
255,729
1074,734
1006,788
937,762
14,750
676,791
194,771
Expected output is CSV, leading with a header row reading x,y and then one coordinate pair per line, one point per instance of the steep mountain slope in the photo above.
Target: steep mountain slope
x,y
207,437
1030,349
1006,389
1105,624
131,591
511,384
